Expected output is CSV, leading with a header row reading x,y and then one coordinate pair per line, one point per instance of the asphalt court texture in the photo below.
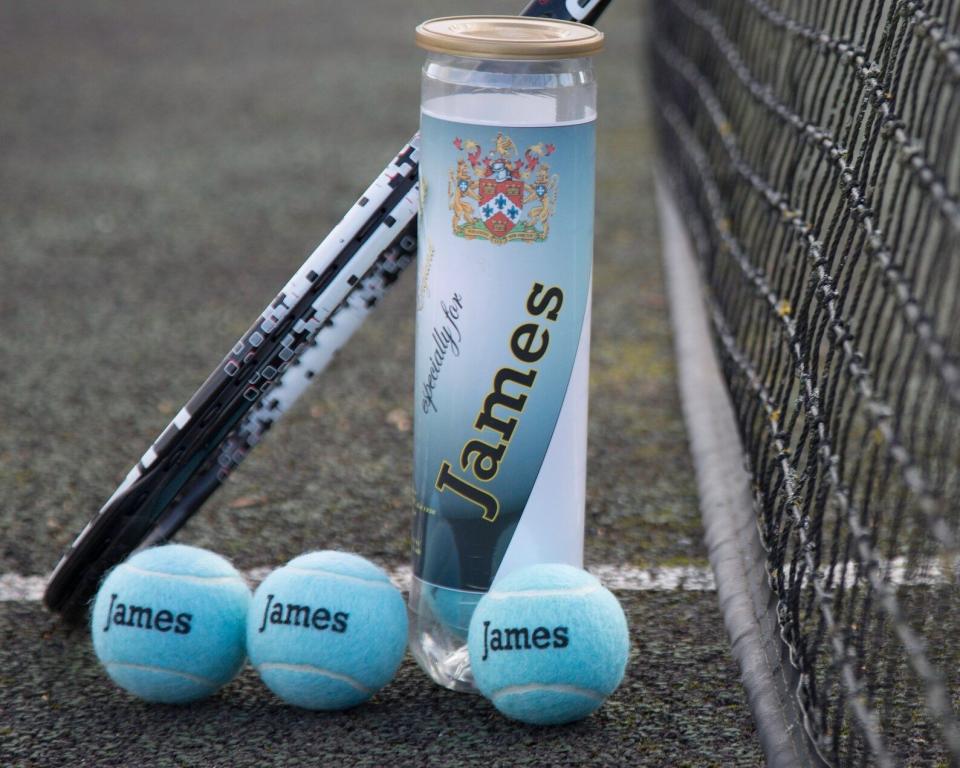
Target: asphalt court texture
x,y
163,169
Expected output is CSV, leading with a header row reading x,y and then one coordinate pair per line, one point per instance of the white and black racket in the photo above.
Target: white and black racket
x,y
264,373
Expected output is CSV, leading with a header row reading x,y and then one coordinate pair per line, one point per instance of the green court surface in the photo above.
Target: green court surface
x,y
163,169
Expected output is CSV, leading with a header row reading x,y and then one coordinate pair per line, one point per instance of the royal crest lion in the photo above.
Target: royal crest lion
x,y
543,190
504,146
463,188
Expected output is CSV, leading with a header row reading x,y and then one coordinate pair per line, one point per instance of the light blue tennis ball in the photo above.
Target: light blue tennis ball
x,y
168,623
548,644
327,630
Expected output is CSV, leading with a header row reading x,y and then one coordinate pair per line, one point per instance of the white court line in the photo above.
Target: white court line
x,y
624,578
17,588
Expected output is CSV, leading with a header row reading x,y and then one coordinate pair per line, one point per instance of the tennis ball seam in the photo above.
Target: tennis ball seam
x,y
176,672
184,576
576,592
287,667
362,579
557,687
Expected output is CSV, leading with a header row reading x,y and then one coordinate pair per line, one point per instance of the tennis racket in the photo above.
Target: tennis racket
x,y
265,372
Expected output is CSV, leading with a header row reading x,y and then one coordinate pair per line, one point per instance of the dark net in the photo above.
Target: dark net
x,y
814,148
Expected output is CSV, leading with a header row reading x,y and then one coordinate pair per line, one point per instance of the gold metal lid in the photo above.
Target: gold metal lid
x,y
509,37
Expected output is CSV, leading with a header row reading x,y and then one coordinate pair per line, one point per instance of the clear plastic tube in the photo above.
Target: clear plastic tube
x,y
503,335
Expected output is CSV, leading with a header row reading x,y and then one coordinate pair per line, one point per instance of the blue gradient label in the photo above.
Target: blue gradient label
x,y
506,229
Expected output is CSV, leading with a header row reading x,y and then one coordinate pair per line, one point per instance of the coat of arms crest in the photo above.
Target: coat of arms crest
x,y
504,196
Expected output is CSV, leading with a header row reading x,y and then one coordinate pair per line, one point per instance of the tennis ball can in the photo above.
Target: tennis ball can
x,y
505,257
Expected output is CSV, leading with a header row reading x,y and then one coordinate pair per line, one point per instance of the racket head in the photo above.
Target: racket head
x,y
106,541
